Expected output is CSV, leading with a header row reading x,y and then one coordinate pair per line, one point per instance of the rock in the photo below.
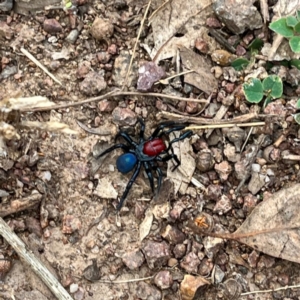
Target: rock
x,y
223,205
121,65
218,275
173,235
256,182
124,116
103,57
72,36
214,192
52,26
179,250
212,245
205,160
190,263
253,259
205,267
223,169
235,135
239,15
149,73
83,69
146,291
156,254
102,29
133,259
79,295
107,105
93,84
250,202
172,262
73,288
105,189
163,279
70,224
92,272
232,289
112,49
178,208
231,155
190,287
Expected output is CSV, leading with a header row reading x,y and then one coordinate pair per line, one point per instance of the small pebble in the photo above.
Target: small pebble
x,y
73,288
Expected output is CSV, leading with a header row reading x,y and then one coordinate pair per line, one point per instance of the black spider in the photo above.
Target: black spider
x,y
147,153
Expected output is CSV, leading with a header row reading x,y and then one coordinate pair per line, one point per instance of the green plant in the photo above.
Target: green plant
x,y
242,63
289,27
255,89
297,116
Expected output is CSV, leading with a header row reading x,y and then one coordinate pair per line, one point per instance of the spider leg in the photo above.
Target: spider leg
x,y
142,130
161,127
169,157
129,185
124,147
159,175
185,135
127,138
149,174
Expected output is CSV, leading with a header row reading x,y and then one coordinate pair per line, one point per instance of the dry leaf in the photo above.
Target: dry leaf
x,y
49,126
145,226
279,210
184,17
182,176
202,78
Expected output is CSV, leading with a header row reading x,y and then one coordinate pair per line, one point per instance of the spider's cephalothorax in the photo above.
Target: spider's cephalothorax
x,y
146,153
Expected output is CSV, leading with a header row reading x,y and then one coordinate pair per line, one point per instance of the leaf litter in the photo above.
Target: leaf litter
x,y
273,227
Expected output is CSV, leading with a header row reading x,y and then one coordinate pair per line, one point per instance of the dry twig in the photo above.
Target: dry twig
x,y
110,95
39,269
33,59
18,205
136,42
198,120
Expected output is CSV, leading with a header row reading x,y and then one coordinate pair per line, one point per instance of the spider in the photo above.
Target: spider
x,y
146,153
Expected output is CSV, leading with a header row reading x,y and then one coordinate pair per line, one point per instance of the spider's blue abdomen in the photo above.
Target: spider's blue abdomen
x,y
126,162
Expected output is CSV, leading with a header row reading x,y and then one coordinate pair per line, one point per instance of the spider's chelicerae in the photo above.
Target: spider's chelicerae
x,y
146,153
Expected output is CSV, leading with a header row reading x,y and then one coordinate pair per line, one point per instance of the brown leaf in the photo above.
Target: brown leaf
x,y
145,226
279,211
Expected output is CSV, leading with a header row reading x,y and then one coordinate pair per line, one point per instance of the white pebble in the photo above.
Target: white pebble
x,y
73,288
256,168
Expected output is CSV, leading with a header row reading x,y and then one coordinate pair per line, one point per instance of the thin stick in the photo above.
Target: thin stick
x,y
272,290
166,80
248,136
157,10
33,59
198,120
276,43
224,125
125,281
109,95
18,205
39,269
135,45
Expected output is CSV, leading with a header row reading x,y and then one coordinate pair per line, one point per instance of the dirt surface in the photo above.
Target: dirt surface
x,y
95,252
